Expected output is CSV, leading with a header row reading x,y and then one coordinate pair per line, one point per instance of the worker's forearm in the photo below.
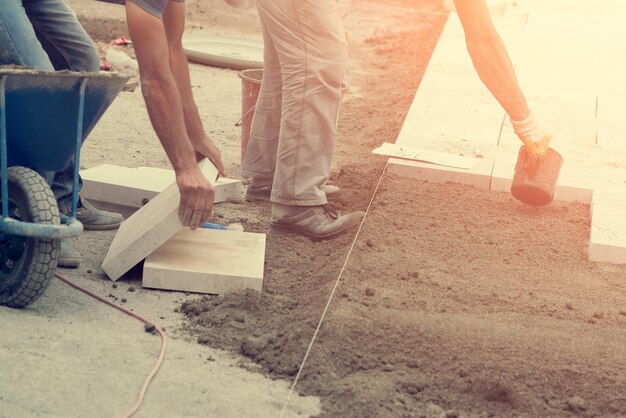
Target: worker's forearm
x,y
163,103
180,70
496,71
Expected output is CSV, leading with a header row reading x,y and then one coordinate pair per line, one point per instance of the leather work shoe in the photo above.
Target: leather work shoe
x,y
68,254
315,222
96,219
263,193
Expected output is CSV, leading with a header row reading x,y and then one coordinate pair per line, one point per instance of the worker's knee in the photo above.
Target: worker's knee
x,y
83,59
332,66
90,60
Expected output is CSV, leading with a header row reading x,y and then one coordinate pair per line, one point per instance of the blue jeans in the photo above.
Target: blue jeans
x,y
45,35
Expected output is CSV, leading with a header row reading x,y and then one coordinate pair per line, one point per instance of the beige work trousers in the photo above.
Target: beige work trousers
x,y
295,122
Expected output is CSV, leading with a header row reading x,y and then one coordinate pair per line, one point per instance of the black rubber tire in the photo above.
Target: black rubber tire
x,y
30,192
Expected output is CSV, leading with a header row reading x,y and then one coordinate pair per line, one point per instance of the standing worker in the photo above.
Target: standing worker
x,y
45,35
294,128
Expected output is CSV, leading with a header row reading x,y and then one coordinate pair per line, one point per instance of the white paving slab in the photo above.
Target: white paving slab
x,y
207,261
148,228
134,187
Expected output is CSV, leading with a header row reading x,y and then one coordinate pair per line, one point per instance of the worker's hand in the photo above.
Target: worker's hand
x,y
536,140
538,147
196,197
206,148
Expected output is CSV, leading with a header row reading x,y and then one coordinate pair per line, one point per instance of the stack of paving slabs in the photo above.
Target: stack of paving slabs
x,y
176,258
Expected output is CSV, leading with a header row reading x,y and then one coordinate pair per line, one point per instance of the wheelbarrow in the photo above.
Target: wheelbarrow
x,y
44,117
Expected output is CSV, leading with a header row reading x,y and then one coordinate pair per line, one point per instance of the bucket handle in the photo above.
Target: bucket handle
x,y
240,121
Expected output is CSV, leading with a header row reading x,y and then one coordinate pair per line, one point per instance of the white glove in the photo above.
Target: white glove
x,y
529,131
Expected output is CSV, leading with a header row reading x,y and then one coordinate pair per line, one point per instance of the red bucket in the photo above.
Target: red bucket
x,y
250,87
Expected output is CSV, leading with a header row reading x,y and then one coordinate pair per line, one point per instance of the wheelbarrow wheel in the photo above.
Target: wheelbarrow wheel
x,y
27,264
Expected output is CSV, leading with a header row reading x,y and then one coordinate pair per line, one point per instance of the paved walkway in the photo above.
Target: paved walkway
x,y
570,58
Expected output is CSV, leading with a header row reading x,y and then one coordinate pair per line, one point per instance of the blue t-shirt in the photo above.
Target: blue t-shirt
x,y
154,7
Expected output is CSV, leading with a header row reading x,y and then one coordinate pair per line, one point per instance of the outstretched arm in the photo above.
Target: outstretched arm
x,y
490,57
165,108
174,23
495,69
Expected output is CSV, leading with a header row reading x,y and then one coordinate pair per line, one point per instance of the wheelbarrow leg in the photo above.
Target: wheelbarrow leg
x,y
3,148
79,141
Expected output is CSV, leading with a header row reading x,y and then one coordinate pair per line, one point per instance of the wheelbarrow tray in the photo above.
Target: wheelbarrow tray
x,y
42,111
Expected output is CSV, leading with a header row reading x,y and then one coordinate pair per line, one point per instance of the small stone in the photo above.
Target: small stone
x,y
124,300
598,315
413,389
370,292
131,289
89,271
591,321
623,313
149,328
344,294
114,285
576,404
462,373
369,243
569,306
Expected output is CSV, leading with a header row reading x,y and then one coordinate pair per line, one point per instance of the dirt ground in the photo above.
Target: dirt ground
x,y
454,302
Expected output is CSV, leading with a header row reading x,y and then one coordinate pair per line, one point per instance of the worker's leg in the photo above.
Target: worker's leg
x,y
69,48
62,36
310,42
309,39
260,157
18,41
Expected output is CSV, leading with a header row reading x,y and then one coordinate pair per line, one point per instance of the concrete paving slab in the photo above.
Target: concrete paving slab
x,y
148,228
134,187
207,261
